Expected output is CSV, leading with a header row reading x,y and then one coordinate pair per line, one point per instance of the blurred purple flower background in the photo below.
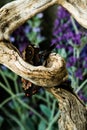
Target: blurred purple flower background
x,y
71,42
28,33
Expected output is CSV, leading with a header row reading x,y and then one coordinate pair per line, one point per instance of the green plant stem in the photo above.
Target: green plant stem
x,y
47,98
10,76
53,121
14,118
23,104
10,92
39,97
5,79
53,109
6,89
15,83
10,98
81,86
30,108
74,25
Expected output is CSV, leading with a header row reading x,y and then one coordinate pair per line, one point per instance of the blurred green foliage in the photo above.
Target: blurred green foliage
x,y
23,113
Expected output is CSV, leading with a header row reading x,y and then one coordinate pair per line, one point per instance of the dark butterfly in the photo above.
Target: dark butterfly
x,y
34,56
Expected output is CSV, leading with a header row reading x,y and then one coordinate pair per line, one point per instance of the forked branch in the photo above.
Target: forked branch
x,y
14,14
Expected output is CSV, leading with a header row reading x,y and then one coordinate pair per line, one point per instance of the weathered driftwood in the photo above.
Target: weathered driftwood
x,y
12,15
52,74
15,13
73,111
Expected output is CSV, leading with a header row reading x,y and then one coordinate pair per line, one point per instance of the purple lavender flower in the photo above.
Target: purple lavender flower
x,y
77,39
63,28
85,62
60,46
40,15
62,14
71,38
65,36
71,61
19,39
83,53
27,29
78,74
36,29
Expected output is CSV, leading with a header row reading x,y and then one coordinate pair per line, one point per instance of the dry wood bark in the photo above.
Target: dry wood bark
x,y
53,73
73,111
15,13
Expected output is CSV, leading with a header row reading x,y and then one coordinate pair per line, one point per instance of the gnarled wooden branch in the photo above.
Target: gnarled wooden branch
x,y
54,71
78,9
15,13
73,114
52,74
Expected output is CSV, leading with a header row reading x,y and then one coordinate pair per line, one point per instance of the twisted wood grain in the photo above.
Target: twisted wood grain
x,y
53,72
15,13
73,114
